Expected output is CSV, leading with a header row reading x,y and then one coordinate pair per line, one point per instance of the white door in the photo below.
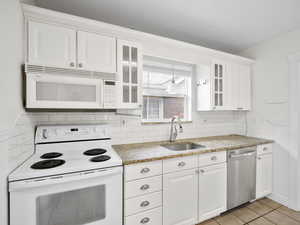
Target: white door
x,y
96,52
264,175
244,73
129,75
218,85
51,45
232,96
212,191
180,198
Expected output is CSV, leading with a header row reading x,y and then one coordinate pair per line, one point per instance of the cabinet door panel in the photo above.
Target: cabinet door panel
x,y
264,175
180,198
244,87
96,52
129,75
51,45
212,191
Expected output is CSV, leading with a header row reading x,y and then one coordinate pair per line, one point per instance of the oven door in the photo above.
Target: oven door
x,y
61,91
89,198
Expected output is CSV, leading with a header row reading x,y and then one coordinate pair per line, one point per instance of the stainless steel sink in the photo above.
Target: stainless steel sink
x,y
182,146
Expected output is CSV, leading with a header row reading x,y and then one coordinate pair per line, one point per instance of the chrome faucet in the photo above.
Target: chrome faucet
x,y
174,129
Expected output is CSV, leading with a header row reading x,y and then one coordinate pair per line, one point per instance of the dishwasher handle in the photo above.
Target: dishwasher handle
x,y
235,156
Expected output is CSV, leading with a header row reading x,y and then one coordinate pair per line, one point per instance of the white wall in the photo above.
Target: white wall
x,y
10,86
270,115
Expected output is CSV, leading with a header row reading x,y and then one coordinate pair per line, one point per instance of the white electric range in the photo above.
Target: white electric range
x,y
73,178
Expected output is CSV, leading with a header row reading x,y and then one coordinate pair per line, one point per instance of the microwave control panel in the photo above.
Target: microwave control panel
x,y
109,94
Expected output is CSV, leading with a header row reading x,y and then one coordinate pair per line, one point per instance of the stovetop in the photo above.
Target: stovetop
x,y
52,159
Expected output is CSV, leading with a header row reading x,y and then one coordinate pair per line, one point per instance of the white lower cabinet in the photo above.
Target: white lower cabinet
x,y
264,174
212,191
180,194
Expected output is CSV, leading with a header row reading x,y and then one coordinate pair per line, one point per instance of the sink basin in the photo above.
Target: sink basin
x,y
182,146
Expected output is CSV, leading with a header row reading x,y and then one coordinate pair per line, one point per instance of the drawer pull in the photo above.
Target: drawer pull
x,y
202,171
265,149
181,164
145,187
259,158
213,158
145,220
145,204
145,170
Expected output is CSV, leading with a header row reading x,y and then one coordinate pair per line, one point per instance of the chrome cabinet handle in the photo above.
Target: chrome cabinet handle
x,y
145,220
145,187
239,108
202,171
259,158
72,64
80,65
145,203
181,164
265,149
145,170
213,158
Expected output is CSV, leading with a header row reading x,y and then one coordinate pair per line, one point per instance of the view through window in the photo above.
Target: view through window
x,y
166,90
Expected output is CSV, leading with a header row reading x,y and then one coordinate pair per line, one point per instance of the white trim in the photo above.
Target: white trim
x,y
294,130
45,15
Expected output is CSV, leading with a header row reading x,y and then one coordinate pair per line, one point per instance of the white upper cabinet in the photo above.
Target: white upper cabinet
x,y
51,45
180,197
129,74
57,46
226,86
96,52
218,85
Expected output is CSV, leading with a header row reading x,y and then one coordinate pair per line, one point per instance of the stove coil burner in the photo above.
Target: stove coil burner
x,y
51,155
95,151
100,158
48,164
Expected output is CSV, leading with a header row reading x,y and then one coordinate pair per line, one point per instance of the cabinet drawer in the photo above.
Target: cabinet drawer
x,y
143,186
212,158
264,149
151,217
142,203
181,163
142,170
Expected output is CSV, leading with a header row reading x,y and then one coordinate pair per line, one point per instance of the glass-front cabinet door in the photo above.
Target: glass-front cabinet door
x,y
218,85
129,74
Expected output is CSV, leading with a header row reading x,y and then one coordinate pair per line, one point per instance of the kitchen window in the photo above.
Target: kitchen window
x,y
166,90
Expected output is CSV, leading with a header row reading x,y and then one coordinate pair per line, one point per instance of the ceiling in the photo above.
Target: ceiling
x,y
227,25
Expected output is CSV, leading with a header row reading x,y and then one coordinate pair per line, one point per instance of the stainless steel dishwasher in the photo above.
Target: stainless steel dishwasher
x,y
241,183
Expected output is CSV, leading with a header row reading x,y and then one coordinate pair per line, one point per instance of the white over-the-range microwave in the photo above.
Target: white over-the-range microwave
x,y
70,91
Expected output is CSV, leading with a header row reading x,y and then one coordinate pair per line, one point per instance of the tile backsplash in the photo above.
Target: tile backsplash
x,y
124,129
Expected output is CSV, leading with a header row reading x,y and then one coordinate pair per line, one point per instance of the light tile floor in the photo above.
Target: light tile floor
x,y
261,212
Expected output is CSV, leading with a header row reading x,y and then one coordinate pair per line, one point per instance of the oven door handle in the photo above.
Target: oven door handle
x,y
64,178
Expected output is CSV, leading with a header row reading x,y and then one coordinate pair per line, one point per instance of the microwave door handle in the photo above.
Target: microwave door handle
x,y
61,179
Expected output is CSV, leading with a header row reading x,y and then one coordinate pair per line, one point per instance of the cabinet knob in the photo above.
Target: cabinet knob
x,y
145,187
213,158
145,170
202,171
145,203
80,65
265,149
72,64
181,164
145,220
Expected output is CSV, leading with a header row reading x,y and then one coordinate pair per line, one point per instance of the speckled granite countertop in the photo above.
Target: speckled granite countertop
x,y
150,151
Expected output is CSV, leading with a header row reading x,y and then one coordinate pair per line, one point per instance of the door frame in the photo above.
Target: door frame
x,y
294,131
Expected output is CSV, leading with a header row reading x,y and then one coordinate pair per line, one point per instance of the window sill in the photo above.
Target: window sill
x,y
164,122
